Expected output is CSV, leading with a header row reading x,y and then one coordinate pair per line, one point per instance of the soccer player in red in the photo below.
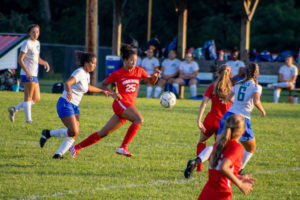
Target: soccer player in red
x,y
127,80
225,163
217,92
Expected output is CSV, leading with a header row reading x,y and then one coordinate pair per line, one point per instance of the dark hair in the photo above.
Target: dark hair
x,y
31,26
252,73
126,51
82,57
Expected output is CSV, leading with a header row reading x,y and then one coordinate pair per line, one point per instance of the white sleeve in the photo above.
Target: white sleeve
x,y
258,89
295,71
156,62
164,63
181,66
280,70
78,75
24,47
195,66
143,63
242,64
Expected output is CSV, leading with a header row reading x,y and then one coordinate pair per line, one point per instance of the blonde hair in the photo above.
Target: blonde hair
x,y
252,72
234,127
223,84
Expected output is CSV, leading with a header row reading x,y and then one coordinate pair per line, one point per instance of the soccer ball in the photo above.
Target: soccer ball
x,y
168,99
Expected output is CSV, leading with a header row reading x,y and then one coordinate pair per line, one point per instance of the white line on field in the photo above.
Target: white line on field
x,y
156,183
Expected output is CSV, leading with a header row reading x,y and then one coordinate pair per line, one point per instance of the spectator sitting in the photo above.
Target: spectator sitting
x,y
286,77
150,63
237,66
170,67
188,71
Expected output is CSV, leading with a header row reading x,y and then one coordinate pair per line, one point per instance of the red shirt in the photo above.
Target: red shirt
x,y
219,186
218,106
127,83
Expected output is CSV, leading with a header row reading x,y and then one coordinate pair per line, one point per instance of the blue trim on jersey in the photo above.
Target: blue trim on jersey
x,y
65,108
24,79
248,135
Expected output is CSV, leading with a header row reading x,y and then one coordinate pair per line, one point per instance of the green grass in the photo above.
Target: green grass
x,y
161,148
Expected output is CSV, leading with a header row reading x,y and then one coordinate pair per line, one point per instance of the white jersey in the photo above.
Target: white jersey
x,y
235,66
243,98
171,67
288,72
150,64
80,87
31,59
188,68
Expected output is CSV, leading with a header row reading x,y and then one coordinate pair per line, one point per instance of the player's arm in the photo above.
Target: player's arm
x,y
244,186
201,111
293,80
230,97
152,79
23,66
45,63
94,89
67,87
258,105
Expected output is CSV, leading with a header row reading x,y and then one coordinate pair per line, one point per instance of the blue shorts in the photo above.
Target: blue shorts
x,y
248,135
65,108
186,81
24,79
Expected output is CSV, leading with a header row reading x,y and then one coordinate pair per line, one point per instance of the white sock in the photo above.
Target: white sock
x,y
176,87
276,95
27,110
281,84
193,90
149,91
32,102
63,132
20,106
246,158
157,91
65,145
204,155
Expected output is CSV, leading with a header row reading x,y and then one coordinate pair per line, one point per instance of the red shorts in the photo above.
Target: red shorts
x,y
211,126
118,108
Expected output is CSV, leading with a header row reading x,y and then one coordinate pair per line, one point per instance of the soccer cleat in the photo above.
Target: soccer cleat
x,y
12,113
29,122
57,156
191,165
44,137
73,151
124,152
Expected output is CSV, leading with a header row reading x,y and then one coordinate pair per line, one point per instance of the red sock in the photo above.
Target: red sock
x,y
132,130
200,147
92,139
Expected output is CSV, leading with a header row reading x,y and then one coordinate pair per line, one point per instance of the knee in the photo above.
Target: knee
x,y
73,133
36,100
139,120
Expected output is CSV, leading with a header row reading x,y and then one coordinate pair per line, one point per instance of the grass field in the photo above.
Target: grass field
x,y
161,149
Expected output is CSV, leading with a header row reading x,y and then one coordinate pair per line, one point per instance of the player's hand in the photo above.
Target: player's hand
x,y
263,113
201,127
157,72
69,96
107,93
246,187
46,66
247,178
29,76
116,96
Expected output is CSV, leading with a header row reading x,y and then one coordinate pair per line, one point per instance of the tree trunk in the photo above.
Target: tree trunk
x,y
182,28
117,27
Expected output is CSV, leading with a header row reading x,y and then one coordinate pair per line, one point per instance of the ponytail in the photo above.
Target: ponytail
x,y
252,72
223,84
126,51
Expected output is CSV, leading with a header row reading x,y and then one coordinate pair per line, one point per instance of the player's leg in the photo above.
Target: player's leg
x,y
149,90
29,88
133,115
176,83
193,87
36,94
113,124
161,83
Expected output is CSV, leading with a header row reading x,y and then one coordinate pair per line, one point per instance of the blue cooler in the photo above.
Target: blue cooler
x,y
112,63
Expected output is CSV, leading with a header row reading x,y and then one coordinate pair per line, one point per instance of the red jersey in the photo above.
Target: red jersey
x,y
127,83
218,186
218,106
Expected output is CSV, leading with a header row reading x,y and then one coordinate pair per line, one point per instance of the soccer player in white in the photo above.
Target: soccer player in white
x,y
29,59
237,66
68,104
245,95
188,71
170,68
150,64
287,77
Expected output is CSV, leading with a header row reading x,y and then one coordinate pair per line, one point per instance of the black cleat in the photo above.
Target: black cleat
x,y
191,165
57,156
45,136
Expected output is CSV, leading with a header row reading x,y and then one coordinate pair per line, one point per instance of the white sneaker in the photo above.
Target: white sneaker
x,y
12,113
124,152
